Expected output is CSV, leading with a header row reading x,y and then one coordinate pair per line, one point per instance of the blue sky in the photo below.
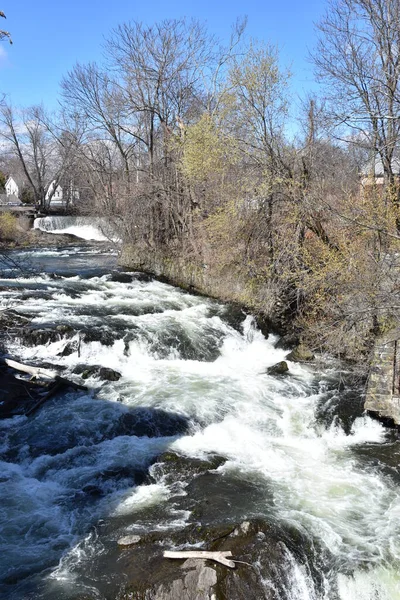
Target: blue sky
x,y
50,36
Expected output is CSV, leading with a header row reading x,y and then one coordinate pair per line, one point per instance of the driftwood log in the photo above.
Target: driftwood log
x,y
47,378
46,373
34,371
221,557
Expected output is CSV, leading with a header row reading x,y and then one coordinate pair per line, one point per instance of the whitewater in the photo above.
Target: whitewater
x,y
87,468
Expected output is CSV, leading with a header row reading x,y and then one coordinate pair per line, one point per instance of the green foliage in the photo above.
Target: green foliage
x,y
206,150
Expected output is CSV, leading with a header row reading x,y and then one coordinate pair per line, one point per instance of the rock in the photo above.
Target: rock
x,y
263,325
65,329
38,337
70,348
103,335
104,373
281,368
263,553
300,354
129,540
196,583
121,277
109,374
286,342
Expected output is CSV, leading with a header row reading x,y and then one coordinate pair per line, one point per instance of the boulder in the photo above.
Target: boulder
x,y
129,540
38,337
104,373
262,554
109,374
281,368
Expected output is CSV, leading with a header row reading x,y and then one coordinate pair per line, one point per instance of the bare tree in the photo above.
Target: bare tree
x,y
43,148
358,58
4,34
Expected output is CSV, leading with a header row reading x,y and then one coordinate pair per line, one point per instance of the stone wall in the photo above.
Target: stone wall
x,y
383,391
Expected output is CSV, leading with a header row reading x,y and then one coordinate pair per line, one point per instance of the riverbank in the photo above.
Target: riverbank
x,y
228,284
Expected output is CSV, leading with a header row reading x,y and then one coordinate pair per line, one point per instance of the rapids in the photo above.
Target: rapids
x,y
85,469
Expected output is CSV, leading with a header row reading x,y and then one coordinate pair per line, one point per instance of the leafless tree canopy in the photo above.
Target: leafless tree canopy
x,y
4,34
186,144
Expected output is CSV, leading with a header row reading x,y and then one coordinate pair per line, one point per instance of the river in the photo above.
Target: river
x,y
86,468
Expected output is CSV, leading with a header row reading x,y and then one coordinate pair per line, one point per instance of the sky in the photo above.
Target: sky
x,y
50,36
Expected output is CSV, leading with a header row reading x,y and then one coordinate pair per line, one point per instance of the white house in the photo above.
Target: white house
x,y
55,194
12,187
373,172
58,198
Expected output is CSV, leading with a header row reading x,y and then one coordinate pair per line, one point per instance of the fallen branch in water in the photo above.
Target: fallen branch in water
x,y
34,371
46,378
220,557
52,390
46,373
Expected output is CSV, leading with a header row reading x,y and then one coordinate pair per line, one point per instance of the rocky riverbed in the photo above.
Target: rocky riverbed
x,y
197,431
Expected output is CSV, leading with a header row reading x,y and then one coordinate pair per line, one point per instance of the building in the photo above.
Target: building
x,y
13,186
373,173
58,198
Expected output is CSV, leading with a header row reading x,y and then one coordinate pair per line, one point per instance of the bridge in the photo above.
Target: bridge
x,y
28,210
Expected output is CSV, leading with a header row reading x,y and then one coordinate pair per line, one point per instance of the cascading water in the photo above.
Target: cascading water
x,y
87,228
76,473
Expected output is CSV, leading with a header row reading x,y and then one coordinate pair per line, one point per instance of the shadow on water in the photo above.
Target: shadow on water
x,y
65,468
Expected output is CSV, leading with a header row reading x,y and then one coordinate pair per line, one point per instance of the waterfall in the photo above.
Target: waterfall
x,y
87,228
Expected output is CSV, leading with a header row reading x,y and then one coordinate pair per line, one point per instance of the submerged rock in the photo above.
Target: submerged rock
x,y
281,368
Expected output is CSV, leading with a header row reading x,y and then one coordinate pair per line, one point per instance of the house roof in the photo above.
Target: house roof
x,y
19,180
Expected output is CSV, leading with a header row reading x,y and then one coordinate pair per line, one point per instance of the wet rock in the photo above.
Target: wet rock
x,y
174,465
281,368
265,556
143,277
300,354
70,348
152,423
65,330
17,395
129,540
39,337
108,374
286,342
121,277
234,316
103,373
103,335
263,325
